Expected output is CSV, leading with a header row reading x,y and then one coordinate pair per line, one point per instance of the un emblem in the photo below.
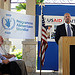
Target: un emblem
x,y
8,23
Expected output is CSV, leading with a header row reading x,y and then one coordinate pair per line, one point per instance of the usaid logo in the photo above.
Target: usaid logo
x,y
8,22
53,20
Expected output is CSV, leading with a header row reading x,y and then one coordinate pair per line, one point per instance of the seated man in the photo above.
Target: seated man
x,y
8,66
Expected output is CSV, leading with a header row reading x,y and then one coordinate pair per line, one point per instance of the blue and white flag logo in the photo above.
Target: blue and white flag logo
x,y
8,23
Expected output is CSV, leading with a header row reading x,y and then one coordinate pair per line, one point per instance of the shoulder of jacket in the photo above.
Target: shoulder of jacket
x,y
61,25
72,24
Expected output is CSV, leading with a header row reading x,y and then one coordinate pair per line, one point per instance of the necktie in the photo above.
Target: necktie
x,y
68,30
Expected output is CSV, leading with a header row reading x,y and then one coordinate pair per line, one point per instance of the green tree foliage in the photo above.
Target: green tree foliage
x,y
21,6
17,53
39,1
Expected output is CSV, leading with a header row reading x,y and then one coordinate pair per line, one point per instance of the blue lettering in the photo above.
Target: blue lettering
x,y
8,14
7,32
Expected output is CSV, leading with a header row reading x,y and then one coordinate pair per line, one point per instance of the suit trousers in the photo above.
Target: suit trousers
x,y
11,68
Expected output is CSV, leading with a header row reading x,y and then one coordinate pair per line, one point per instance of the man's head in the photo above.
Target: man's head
x,y
67,18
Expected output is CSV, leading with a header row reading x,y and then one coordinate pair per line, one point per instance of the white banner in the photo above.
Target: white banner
x,y
51,22
59,1
15,25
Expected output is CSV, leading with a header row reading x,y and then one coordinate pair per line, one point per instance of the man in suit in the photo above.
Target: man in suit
x,y
66,29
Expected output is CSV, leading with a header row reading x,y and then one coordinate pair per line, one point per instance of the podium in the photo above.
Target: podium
x,y
67,56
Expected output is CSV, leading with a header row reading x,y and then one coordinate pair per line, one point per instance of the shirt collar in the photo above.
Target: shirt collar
x,y
67,24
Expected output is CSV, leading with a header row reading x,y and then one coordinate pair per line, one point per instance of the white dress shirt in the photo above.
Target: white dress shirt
x,y
70,28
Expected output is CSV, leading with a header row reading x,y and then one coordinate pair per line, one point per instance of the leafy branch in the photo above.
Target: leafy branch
x,y
21,6
39,1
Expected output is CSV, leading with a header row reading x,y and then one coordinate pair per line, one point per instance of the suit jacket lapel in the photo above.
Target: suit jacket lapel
x,y
64,30
72,29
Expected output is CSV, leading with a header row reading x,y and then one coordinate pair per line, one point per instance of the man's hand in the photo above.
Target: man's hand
x,y
5,61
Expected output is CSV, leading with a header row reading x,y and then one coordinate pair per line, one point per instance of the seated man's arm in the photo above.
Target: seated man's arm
x,y
9,56
5,61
